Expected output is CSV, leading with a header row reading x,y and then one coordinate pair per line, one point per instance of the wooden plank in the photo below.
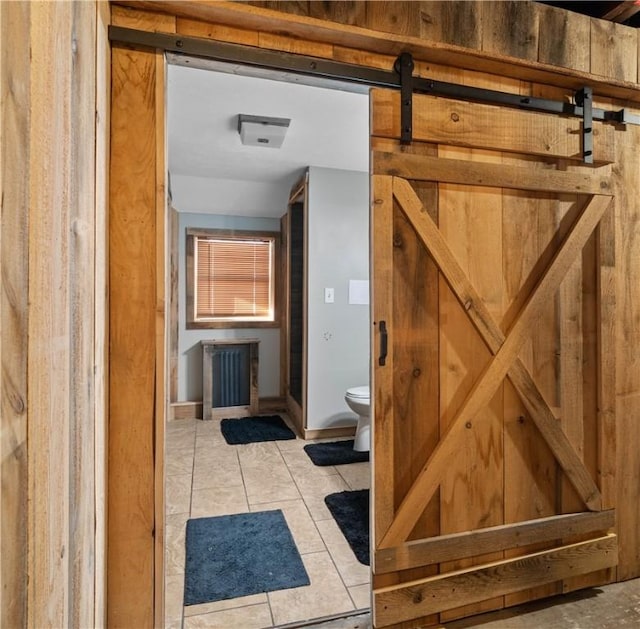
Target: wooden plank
x,y
82,541
510,28
352,12
614,50
413,600
477,311
243,16
174,314
627,257
473,125
473,173
50,349
142,20
14,300
622,11
471,492
193,28
402,18
563,38
456,22
531,236
382,490
132,360
431,475
606,382
491,539
161,332
103,92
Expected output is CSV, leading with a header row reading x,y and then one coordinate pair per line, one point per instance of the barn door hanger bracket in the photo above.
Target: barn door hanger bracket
x,y
584,99
404,67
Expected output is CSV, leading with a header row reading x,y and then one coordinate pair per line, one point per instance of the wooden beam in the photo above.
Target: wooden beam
x,y
406,601
493,539
15,56
241,15
622,11
431,474
427,168
475,125
494,338
606,287
382,490
132,348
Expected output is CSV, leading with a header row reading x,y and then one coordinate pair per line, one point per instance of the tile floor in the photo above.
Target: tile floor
x,y
205,477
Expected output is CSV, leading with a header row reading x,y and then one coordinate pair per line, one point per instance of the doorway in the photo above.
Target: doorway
x,y
206,477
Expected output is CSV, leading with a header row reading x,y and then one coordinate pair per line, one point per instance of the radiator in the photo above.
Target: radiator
x,y
231,376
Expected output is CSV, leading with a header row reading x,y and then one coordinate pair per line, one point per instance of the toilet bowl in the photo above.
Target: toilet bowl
x,y
357,399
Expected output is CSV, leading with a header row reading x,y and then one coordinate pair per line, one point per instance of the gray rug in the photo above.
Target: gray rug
x,y
238,555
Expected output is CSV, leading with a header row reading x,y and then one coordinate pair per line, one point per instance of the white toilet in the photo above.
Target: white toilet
x,y
357,399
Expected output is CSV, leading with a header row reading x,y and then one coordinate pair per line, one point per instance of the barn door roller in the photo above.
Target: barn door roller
x,y
401,77
583,106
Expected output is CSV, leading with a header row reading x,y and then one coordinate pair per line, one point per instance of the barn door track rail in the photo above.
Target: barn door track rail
x,y
400,78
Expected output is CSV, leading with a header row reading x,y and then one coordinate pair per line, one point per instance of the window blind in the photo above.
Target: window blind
x,y
233,278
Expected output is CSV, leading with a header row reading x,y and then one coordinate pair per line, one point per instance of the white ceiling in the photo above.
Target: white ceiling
x,y
212,172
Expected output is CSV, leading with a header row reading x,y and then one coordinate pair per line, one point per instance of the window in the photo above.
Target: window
x,y
231,278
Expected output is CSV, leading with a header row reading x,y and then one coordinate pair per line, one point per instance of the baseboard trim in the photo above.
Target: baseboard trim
x,y
191,410
185,410
327,433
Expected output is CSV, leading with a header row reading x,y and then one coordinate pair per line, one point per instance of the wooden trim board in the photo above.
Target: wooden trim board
x,y
376,41
427,168
399,603
496,538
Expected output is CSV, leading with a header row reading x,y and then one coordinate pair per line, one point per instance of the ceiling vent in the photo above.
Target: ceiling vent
x,y
262,131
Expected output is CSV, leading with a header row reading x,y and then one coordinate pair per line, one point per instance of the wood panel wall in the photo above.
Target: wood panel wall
x,y
510,28
53,79
609,61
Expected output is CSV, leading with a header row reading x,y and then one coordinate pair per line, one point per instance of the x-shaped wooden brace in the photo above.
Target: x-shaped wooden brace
x,y
504,361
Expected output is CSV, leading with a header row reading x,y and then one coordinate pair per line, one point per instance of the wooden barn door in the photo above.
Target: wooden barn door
x,y
493,376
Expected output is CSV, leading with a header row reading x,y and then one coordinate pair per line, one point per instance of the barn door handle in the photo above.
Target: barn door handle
x,y
383,343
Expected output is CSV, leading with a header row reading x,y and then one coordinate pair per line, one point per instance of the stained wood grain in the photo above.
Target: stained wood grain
x,y
492,375
50,354
352,12
174,273
241,15
627,232
14,296
510,28
394,17
564,38
473,173
82,262
161,333
103,85
473,125
614,50
479,314
456,22
471,491
491,539
194,28
382,491
406,601
132,360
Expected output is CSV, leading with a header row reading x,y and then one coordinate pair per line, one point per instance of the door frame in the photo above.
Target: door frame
x,y
136,501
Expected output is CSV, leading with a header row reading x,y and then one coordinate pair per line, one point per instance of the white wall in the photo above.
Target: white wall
x,y
338,333
189,348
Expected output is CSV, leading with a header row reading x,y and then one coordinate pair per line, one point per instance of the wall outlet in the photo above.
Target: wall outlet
x,y
329,296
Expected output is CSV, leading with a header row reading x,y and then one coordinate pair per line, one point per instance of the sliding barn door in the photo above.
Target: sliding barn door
x,y
493,376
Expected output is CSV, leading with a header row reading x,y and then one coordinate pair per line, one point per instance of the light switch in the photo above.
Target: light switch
x,y
328,296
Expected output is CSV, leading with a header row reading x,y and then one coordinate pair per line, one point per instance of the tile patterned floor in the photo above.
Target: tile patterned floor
x,y
207,477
